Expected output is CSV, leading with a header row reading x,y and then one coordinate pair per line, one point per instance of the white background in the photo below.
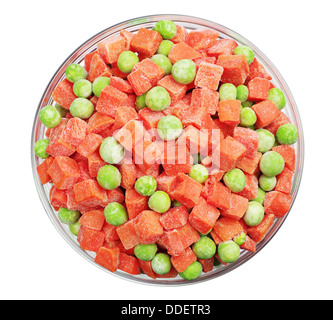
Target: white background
x,y
37,36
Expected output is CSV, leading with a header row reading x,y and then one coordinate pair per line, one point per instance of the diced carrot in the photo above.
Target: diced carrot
x,y
249,165
128,173
58,198
181,51
130,134
108,258
250,191
229,112
139,82
95,162
135,203
202,39
93,219
87,60
180,35
176,90
75,131
64,172
258,89
130,101
127,235
238,207
98,122
152,71
277,203
147,268
150,118
208,76
146,41
124,115
284,181
207,99
111,48
198,61
173,273
63,94
204,216
219,195
188,235
89,145
250,139
223,47
226,130
42,171
288,154
98,68
121,84
227,228
277,123
117,73
259,232
182,262
148,227
266,112
129,264
110,232
146,154
172,241
215,237
90,193
174,218
249,245
207,264
115,195
90,240
166,183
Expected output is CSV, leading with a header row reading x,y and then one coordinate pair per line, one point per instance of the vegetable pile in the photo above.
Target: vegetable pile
x,y
168,151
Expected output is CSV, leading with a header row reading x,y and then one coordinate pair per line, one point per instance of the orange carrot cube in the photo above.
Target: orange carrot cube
x,y
258,89
95,162
89,144
180,35
250,191
250,139
108,258
172,242
284,181
288,154
146,42
259,232
182,262
202,39
121,84
206,99
229,112
89,193
124,115
249,165
174,218
129,264
277,123
151,70
98,68
127,235
90,240
266,113
176,90
139,82
188,235
98,122
227,228
132,132
111,48
181,51
218,195
238,207
277,203
135,203
209,76
63,94
148,227
93,219
223,47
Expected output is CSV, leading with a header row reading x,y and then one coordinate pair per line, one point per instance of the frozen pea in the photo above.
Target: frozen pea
x,y
40,148
111,151
140,102
261,196
67,216
126,61
158,99
75,72
159,201
81,108
169,128
199,173
205,248
184,71
192,272
228,251
242,93
266,140
254,214
146,185
109,177
271,164
50,117
267,183
247,104
61,110
99,84
235,180
166,28
74,228
145,252
276,95
240,239
287,134
246,51
176,203
161,263
82,88
228,91
115,214
247,117
164,62
165,47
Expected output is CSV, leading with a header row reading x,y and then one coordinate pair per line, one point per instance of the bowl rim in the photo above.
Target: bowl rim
x,y
299,160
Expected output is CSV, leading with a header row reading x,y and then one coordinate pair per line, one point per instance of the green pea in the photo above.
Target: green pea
x,y
111,151
247,104
159,201
126,61
40,148
115,214
158,99
247,117
145,252
165,47
82,88
166,28
164,62
246,51
184,71
81,108
75,72
271,164
140,102
192,272
109,177
74,228
276,95
176,203
261,196
266,140
99,84
199,173
146,185
242,93
235,180
267,183
161,263
67,216
228,91
287,134
205,248
228,251
240,239
254,214
169,128
61,110
50,117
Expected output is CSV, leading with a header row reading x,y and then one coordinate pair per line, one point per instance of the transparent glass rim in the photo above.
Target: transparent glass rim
x,y
190,22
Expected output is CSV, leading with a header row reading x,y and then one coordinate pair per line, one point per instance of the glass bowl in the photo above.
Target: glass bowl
x,y
134,25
